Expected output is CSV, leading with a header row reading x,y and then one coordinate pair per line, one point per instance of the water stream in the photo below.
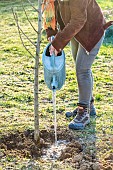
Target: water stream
x,y
55,117
55,150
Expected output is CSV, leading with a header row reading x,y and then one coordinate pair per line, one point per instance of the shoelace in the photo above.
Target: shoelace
x,y
81,113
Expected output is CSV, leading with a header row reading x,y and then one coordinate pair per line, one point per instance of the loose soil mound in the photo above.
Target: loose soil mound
x,y
23,142
23,145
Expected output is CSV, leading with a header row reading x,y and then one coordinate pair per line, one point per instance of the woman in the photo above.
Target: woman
x,y
82,23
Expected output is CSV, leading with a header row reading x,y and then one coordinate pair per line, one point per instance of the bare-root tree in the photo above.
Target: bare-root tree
x,y
36,57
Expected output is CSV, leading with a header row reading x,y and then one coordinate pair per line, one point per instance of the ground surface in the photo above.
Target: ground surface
x,y
88,149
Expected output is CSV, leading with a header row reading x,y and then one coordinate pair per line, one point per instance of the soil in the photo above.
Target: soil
x,y
23,145
23,142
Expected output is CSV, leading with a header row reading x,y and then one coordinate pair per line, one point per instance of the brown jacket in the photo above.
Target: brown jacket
x,y
82,19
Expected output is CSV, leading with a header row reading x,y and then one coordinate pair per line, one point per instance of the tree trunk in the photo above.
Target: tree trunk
x,y
36,76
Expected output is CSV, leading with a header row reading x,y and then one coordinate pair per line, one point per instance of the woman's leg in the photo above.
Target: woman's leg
x,y
84,62
74,48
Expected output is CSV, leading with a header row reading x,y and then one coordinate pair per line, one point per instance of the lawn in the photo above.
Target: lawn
x,y
17,99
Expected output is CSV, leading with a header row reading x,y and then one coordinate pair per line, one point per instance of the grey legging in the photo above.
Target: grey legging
x,y
83,62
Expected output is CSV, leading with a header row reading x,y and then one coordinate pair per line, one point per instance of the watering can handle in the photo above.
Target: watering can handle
x,y
52,59
52,38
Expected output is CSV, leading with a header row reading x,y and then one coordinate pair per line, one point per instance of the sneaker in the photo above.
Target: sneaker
x,y
74,113
81,120
92,110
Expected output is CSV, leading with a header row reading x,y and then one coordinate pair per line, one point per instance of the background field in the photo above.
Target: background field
x,y
17,80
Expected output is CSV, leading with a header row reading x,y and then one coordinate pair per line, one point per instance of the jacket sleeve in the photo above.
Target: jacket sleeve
x,y
50,32
108,24
78,9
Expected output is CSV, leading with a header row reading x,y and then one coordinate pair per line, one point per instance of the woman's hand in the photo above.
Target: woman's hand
x,y
49,39
52,50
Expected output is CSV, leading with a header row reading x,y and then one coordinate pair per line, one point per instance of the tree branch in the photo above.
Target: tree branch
x,y
16,20
32,5
28,18
26,35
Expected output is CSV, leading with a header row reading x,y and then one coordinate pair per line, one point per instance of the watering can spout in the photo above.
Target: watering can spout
x,y
54,83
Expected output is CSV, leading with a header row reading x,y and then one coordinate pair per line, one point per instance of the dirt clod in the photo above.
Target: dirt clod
x,y
110,157
64,156
108,168
1,154
84,166
96,166
78,158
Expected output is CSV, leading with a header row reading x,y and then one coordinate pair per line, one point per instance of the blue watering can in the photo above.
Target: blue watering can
x,y
54,69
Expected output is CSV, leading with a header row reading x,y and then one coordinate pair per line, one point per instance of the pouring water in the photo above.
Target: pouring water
x,y
55,117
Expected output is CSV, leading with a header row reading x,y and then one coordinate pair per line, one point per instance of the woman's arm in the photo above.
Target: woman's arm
x,y
50,32
78,9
